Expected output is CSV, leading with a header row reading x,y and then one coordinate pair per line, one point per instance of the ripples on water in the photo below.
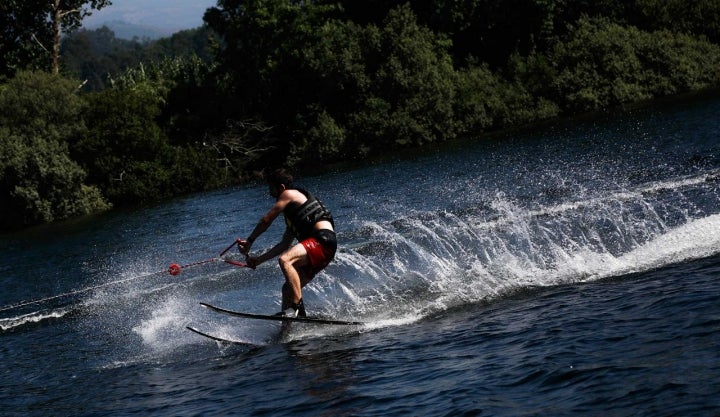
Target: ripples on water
x,y
575,273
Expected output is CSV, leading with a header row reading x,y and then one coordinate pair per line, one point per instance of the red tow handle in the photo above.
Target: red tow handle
x,y
176,269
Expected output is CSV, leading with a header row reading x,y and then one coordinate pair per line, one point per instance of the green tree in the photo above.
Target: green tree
x,y
30,31
124,148
19,46
127,152
39,182
701,17
486,30
604,64
409,99
331,87
486,101
97,55
66,16
262,48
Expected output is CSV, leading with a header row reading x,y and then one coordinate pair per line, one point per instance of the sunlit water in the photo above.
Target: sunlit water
x,y
569,271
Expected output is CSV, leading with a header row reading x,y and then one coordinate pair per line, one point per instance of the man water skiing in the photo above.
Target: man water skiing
x,y
309,222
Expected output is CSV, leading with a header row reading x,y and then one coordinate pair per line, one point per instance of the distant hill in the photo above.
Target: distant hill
x,y
149,19
130,31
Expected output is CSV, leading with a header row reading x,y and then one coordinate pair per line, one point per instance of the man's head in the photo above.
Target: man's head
x,y
278,180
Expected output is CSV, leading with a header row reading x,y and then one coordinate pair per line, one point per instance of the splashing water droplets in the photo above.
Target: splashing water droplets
x,y
431,261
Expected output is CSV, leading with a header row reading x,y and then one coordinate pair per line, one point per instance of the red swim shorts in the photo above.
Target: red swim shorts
x,y
320,249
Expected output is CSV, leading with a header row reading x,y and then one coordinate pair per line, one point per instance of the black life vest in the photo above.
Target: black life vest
x,y
301,218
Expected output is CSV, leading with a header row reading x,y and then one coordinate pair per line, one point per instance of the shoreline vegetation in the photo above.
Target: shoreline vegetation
x,y
317,86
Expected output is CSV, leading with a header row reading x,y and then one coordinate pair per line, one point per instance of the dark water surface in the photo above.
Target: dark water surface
x,y
572,271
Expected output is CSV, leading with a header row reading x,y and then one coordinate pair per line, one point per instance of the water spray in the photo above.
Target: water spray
x,y
174,269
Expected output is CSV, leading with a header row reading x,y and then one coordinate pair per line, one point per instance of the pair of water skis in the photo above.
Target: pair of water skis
x,y
309,320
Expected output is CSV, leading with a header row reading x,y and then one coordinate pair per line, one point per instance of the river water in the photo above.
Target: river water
x,y
573,270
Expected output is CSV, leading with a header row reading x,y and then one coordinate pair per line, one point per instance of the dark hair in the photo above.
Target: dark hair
x,y
278,177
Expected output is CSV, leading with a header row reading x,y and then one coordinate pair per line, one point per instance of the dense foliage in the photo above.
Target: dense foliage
x,y
30,31
39,181
309,84
92,55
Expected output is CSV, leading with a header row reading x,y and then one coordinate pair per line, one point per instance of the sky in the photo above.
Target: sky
x,y
167,15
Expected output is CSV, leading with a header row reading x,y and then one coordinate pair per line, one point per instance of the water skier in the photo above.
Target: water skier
x,y
308,221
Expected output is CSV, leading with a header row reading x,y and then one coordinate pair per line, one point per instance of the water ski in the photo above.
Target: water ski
x,y
219,339
312,320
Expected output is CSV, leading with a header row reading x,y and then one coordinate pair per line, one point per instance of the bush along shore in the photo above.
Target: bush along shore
x,y
312,84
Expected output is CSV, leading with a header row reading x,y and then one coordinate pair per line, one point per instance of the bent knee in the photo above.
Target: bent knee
x,y
284,261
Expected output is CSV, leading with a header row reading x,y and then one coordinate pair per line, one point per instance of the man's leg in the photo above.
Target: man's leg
x,y
291,263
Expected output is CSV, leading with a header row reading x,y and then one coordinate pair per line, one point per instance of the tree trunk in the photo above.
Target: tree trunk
x,y
57,15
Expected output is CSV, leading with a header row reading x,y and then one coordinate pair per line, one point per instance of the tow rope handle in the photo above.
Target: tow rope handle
x,y
176,269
